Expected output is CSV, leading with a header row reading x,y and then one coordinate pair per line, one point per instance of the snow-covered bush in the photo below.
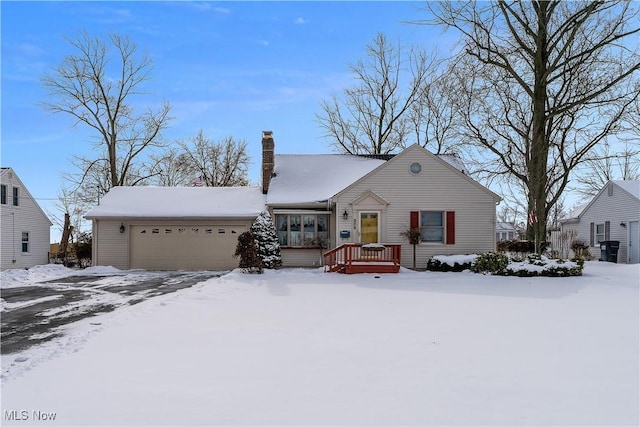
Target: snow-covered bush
x,y
542,266
268,247
499,264
490,262
451,263
247,252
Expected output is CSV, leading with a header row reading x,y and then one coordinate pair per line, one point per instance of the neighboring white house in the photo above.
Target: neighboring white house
x,y
24,226
505,231
613,214
318,203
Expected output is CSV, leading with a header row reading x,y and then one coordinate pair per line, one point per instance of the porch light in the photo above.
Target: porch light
x,y
623,225
121,227
345,215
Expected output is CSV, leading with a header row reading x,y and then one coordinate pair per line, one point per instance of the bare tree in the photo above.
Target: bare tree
x,y
68,217
95,86
433,116
373,116
216,164
541,84
170,169
606,165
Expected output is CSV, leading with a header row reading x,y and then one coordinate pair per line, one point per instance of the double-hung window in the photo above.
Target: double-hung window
x,y
435,226
600,234
302,230
432,226
3,194
25,242
16,196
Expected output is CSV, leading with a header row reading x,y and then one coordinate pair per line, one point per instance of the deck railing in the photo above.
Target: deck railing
x,y
360,258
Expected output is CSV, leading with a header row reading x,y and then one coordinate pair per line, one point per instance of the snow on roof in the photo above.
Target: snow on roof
x,y
632,187
505,226
180,202
454,161
309,178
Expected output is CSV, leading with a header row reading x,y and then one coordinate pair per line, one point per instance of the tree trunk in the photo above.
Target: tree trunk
x,y
539,144
67,229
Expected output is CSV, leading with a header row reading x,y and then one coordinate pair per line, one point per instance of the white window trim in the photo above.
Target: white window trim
x,y
28,242
6,194
15,198
444,227
300,213
596,241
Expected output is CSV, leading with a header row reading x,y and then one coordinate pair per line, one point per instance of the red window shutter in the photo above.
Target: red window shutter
x,y
451,228
414,219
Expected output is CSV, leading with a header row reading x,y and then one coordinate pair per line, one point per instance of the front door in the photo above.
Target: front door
x,y
369,222
634,243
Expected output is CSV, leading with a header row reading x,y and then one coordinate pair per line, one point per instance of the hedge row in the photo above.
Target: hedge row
x,y
498,264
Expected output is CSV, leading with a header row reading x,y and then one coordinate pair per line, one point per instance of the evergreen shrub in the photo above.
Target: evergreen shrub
x,y
248,253
490,262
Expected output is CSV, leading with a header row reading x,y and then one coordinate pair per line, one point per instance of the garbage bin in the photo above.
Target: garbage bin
x,y
609,250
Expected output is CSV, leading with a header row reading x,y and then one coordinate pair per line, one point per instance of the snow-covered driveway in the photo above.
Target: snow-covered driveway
x,y
303,347
38,303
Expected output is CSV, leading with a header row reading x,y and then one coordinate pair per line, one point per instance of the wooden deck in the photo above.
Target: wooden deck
x,y
352,258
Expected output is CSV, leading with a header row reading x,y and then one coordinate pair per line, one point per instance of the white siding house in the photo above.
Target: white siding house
x,y
613,214
415,188
505,231
323,201
319,202
24,226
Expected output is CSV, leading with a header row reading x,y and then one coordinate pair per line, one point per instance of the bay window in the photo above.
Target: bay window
x,y
302,230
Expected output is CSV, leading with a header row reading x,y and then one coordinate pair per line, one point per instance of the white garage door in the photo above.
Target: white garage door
x,y
184,247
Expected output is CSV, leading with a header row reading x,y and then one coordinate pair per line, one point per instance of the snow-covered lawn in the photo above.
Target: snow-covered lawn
x,y
303,347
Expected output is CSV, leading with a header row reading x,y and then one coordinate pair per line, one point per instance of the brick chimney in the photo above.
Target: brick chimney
x,y
268,162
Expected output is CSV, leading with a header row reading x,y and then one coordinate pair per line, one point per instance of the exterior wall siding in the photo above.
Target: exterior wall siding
x,y
110,247
437,187
618,208
26,217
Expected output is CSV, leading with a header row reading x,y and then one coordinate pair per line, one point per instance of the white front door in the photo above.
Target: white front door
x,y
634,243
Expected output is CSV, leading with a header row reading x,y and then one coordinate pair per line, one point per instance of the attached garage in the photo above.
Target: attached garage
x,y
172,228
184,246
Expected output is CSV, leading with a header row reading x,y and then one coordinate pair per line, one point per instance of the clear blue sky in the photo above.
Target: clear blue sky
x,y
229,68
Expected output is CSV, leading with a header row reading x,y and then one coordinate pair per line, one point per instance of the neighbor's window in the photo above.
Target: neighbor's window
x,y
25,241
432,226
504,235
16,195
600,233
3,194
302,230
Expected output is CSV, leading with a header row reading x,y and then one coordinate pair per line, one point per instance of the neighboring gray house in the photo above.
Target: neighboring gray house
x,y
24,227
318,202
613,214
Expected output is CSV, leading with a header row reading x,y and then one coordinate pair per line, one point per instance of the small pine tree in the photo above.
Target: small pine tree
x,y
248,253
264,232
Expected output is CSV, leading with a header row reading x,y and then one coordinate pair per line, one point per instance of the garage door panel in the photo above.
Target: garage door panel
x,y
185,247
